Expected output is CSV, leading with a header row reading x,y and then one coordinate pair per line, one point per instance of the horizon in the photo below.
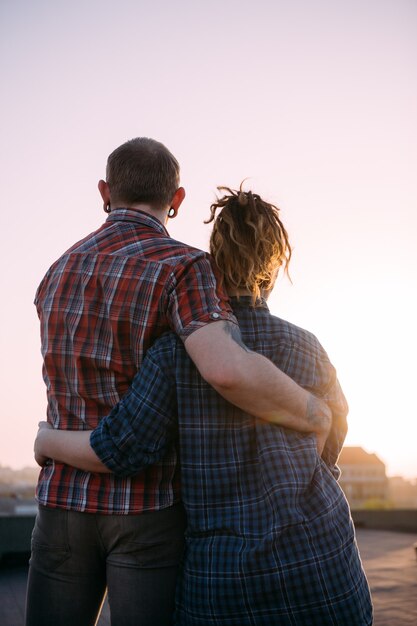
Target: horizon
x,y
412,479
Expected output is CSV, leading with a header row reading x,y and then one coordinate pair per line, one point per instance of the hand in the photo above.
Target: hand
x,y
40,457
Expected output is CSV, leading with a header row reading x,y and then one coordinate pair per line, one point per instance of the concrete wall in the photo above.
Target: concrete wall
x,y
15,534
15,531
403,520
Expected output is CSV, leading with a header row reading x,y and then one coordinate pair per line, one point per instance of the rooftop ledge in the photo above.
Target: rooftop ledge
x,y
386,541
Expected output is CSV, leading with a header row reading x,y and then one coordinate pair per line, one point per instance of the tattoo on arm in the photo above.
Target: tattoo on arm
x,y
318,413
234,332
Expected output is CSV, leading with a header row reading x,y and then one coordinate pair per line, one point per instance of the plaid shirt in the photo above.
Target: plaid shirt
x,y
101,306
270,538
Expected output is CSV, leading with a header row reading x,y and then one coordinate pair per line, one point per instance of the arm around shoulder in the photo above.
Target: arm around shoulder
x,y
252,382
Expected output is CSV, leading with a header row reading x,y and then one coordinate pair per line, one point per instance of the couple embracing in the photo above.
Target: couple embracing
x,y
189,458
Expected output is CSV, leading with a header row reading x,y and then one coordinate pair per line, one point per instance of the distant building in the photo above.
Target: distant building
x,y
17,491
363,478
402,493
16,505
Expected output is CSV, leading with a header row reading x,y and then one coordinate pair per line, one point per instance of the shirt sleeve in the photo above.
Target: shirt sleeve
x,y
142,426
195,297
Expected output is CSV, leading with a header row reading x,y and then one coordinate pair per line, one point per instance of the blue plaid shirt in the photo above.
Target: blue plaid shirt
x,y
270,538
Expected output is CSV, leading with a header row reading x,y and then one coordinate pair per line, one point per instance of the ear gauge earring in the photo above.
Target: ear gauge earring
x,y
171,212
107,208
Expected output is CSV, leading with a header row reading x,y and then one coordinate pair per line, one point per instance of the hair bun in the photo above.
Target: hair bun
x,y
242,198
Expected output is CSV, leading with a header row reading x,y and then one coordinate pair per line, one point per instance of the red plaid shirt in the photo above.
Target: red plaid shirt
x,y
101,306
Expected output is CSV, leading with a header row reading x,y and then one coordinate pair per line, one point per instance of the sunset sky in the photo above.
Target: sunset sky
x,y
315,102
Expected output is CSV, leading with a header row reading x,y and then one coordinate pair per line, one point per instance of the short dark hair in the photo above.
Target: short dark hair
x,y
142,170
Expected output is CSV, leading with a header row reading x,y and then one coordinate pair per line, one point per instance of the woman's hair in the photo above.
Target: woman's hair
x,y
249,242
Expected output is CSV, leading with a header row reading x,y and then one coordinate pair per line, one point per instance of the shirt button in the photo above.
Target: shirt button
x,y
214,316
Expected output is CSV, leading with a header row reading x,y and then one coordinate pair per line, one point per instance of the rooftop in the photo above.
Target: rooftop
x,y
355,455
389,560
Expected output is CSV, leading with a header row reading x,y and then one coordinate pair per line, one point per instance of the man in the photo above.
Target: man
x,y
101,306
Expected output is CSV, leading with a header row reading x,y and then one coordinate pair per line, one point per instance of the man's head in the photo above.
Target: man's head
x,y
142,171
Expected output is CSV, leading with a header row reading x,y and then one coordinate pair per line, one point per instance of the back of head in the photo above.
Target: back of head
x,y
142,170
249,242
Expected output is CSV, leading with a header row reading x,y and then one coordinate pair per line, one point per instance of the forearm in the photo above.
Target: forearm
x,y
138,431
69,447
266,392
252,382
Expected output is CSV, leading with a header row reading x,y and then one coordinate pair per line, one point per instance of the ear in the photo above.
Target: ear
x,y
104,190
176,201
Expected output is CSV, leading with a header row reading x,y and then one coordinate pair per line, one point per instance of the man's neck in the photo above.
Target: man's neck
x,y
159,214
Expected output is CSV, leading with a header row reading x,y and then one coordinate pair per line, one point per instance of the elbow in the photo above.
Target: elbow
x,y
124,468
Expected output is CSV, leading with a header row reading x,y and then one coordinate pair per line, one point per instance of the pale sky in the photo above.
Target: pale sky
x,y
315,102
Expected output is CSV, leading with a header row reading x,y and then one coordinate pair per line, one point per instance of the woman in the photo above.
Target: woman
x,y
269,535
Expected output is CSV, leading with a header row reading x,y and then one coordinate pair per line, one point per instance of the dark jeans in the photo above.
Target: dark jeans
x,y
76,556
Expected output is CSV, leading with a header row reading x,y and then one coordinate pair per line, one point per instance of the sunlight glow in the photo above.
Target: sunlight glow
x,y
314,102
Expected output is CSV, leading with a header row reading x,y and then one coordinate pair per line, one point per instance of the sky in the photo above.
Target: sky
x,y
315,103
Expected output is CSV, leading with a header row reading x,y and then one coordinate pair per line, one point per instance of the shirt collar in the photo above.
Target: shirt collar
x,y
138,217
247,302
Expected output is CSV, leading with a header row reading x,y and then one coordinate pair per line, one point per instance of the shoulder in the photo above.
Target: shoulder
x,y
295,348
279,331
301,356
181,248
178,253
296,336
